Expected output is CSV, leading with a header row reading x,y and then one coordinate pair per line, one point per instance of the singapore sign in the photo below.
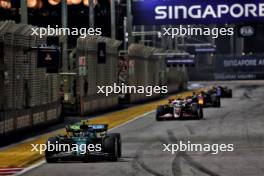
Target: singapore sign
x,y
170,12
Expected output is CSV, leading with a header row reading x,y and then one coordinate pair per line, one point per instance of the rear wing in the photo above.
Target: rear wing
x,y
99,127
78,127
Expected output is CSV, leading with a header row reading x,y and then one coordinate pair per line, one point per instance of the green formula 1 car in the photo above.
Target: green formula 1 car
x,y
84,141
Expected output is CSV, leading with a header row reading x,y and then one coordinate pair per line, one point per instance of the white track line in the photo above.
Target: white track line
x,y
31,167
136,118
43,161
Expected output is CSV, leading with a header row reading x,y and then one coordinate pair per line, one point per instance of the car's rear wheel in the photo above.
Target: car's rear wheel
x,y
119,143
194,107
200,113
111,147
216,102
231,94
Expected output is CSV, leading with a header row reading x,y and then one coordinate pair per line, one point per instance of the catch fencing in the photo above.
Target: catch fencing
x,y
146,68
97,74
24,88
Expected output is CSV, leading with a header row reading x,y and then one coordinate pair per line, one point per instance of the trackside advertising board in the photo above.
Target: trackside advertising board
x,y
49,58
166,12
239,67
180,61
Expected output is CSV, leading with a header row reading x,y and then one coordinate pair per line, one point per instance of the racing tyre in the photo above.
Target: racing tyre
x,y
197,111
194,107
216,102
111,147
119,142
160,111
200,113
49,154
230,94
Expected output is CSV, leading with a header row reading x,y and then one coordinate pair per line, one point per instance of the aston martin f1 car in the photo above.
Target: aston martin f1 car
x,y
177,109
84,141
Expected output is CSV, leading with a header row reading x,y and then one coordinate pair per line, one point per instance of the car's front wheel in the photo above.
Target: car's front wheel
x,y
159,112
49,154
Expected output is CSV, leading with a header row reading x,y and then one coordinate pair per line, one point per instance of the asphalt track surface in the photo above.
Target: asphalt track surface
x,y
240,121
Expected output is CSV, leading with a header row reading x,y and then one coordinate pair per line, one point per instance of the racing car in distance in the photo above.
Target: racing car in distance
x,y
180,108
208,99
226,92
85,141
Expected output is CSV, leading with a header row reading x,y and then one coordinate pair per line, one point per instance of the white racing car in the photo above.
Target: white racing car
x,y
180,108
